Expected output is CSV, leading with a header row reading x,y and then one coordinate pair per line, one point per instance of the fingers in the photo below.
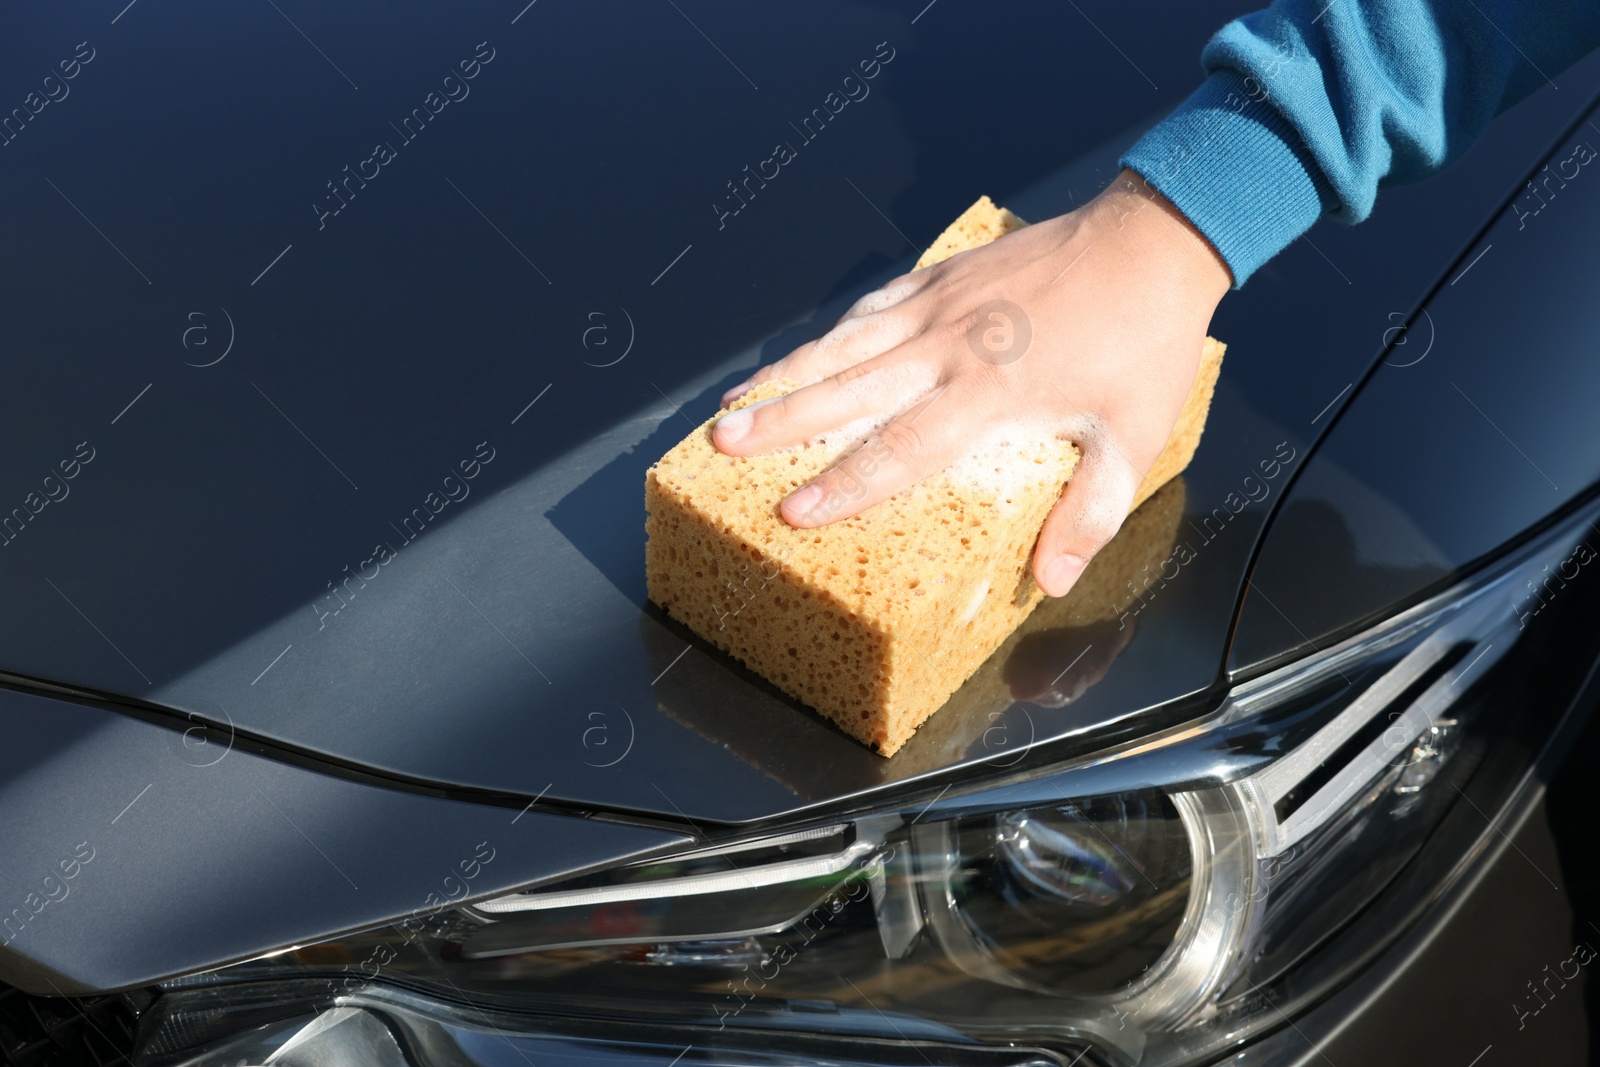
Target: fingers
x,y
863,332
888,295
877,388
924,439
1090,512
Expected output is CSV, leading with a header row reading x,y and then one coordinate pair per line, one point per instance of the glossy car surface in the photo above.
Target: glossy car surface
x,y
325,549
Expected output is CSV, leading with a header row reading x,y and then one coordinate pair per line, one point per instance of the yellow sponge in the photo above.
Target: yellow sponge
x,y
978,225
873,620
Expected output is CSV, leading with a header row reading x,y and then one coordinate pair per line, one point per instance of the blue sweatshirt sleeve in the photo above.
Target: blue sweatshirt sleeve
x,y
1310,106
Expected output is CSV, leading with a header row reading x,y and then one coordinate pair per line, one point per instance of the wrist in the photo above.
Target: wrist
x,y
1238,169
1161,237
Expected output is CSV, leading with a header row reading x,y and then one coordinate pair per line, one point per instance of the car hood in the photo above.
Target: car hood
x,y
362,482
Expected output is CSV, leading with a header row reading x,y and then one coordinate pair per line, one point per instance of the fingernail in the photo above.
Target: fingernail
x,y
737,391
734,426
1062,574
801,502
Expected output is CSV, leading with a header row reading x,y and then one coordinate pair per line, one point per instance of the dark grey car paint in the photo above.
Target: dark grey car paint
x,y
134,852
508,649
1480,422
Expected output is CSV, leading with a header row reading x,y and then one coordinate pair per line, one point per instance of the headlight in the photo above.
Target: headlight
x,y
1104,899
1152,904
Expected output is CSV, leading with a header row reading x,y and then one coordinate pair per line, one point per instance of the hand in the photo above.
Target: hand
x,y
1118,296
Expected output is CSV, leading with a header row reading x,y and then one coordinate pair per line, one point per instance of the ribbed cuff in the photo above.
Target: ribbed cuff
x,y
1236,169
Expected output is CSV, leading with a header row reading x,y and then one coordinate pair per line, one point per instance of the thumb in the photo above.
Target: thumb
x,y
1097,498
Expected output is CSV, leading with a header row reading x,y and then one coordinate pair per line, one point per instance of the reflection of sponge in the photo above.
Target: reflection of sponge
x,y
874,620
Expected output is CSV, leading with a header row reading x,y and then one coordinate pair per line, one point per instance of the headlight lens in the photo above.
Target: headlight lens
x,y
1107,899
1134,905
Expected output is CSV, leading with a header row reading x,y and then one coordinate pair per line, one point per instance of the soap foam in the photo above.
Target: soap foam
x,y
893,388
895,385
887,297
1006,457
871,335
975,602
